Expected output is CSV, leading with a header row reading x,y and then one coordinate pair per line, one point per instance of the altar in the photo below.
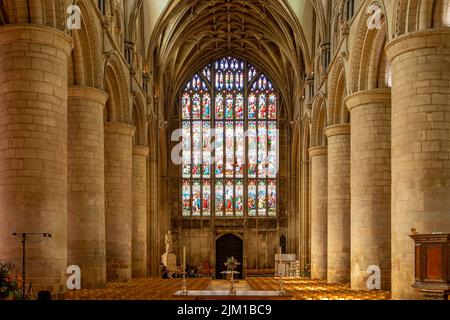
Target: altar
x,y
287,265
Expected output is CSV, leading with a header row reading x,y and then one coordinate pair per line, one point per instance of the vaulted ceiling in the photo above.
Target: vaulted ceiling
x,y
190,33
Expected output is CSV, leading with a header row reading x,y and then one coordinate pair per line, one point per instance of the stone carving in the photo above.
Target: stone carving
x,y
169,242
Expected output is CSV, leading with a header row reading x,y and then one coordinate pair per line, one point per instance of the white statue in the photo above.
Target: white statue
x,y
169,242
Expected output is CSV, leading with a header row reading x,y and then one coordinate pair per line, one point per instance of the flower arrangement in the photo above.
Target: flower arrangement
x,y
9,288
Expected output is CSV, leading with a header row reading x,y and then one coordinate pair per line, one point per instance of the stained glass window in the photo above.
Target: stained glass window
x,y
229,113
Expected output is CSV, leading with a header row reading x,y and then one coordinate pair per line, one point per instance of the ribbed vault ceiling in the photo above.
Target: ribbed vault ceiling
x,y
191,33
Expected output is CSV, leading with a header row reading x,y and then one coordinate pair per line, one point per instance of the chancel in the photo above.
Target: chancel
x,y
291,145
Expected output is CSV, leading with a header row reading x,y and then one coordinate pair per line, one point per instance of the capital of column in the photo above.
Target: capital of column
x,y
37,34
368,97
430,38
336,130
318,151
88,93
120,128
141,151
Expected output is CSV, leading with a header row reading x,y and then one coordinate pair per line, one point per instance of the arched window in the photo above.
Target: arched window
x,y
229,113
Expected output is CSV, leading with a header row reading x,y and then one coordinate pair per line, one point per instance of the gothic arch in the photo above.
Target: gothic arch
x,y
337,111
368,60
85,61
139,118
318,122
116,86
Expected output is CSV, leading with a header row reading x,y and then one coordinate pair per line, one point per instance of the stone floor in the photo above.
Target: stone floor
x,y
163,289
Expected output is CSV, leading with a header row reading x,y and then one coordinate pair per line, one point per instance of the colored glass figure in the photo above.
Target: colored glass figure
x,y
239,198
219,200
252,149
239,106
197,149
240,145
229,106
272,198
196,198
206,150
186,198
206,198
196,106
229,149
219,107
186,140
252,198
219,149
186,104
206,106
262,107
262,149
252,106
229,198
262,198
272,107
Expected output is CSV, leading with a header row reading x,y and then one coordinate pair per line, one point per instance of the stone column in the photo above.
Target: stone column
x,y
338,203
33,151
118,181
319,212
420,146
370,185
139,217
86,185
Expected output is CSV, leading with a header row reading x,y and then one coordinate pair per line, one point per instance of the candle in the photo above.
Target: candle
x,y
184,259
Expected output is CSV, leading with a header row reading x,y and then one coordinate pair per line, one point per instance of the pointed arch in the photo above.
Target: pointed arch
x,y
368,61
337,111
319,122
116,85
138,118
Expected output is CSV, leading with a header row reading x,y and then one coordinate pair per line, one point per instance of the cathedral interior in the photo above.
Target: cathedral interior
x,y
318,129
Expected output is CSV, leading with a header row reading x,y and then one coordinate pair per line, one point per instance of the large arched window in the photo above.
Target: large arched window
x,y
229,113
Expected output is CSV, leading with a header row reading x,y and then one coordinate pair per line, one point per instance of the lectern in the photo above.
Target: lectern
x,y
432,265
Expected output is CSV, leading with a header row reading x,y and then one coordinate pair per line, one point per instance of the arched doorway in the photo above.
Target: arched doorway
x,y
227,246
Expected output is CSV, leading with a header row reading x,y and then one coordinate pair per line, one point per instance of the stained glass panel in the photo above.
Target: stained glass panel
x,y
219,150
219,198
262,198
252,149
206,106
229,107
252,198
262,149
229,149
240,145
219,106
229,198
196,107
252,106
239,106
206,198
262,107
186,197
196,198
272,106
239,198
186,105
